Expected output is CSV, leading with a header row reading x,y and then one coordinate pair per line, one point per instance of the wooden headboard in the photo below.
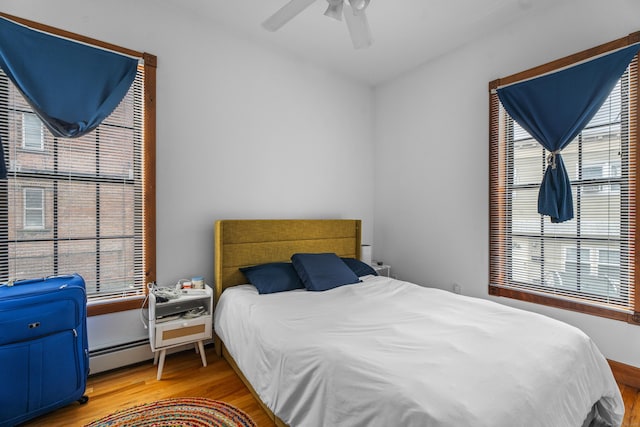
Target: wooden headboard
x,y
242,243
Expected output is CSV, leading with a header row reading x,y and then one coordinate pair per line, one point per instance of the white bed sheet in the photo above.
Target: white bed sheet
x,y
385,352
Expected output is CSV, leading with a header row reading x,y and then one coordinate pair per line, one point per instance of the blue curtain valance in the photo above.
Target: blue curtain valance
x,y
554,109
72,87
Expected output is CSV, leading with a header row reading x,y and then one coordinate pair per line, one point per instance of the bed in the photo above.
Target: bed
x,y
383,352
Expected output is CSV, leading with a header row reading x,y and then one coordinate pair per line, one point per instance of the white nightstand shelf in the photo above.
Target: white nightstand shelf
x,y
382,269
183,320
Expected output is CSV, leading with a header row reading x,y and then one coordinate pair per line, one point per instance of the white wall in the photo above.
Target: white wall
x,y
243,132
431,206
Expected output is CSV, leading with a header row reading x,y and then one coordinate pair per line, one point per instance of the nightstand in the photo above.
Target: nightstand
x,y
382,269
178,321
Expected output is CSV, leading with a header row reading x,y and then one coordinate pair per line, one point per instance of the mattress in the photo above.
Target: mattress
x,y
386,352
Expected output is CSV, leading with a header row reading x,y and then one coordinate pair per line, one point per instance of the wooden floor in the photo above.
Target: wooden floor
x,y
631,397
184,376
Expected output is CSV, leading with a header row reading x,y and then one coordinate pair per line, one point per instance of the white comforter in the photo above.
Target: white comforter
x,y
390,353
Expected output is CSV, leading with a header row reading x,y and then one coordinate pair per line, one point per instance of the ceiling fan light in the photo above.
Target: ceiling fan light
x,y
358,6
335,9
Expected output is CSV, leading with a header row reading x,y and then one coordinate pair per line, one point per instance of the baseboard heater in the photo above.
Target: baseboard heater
x,y
121,355
118,356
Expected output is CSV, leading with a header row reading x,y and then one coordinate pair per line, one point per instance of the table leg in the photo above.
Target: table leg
x,y
163,353
202,355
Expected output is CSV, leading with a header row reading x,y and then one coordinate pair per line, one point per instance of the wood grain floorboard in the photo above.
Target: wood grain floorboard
x,y
184,376
631,398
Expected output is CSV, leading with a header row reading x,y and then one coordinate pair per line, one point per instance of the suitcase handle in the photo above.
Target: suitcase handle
x,y
14,282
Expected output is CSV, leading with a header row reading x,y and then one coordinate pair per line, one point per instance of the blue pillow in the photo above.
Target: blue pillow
x,y
320,272
273,277
359,268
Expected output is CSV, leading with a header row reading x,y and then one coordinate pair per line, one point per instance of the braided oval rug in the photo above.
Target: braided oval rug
x,y
179,412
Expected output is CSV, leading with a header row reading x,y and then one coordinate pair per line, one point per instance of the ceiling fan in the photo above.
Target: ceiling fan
x,y
353,11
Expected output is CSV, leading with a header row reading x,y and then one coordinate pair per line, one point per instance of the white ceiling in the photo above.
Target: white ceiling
x,y
406,33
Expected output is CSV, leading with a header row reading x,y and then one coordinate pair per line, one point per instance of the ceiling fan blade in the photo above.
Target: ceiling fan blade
x,y
335,9
286,13
358,27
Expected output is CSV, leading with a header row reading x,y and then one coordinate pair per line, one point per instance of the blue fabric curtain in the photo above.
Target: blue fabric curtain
x,y
554,109
72,87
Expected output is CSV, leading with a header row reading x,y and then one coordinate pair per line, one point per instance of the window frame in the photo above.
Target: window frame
x,y
498,220
26,208
148,167
26,146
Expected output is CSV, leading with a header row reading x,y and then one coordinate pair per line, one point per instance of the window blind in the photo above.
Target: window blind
x,y
74,205
588,261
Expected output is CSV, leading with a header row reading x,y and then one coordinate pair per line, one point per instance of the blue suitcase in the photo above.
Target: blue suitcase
x,y
44,356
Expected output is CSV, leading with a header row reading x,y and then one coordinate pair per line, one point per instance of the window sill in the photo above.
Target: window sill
x,y
29,150
96,308
564,304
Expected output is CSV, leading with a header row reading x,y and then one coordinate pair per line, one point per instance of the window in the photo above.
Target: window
x,y
32,132
33,208
82,205
587,263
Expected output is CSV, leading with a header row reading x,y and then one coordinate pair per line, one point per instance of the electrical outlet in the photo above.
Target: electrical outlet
x,y
457,289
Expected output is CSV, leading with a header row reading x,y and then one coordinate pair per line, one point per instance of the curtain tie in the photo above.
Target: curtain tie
x,y
551,158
